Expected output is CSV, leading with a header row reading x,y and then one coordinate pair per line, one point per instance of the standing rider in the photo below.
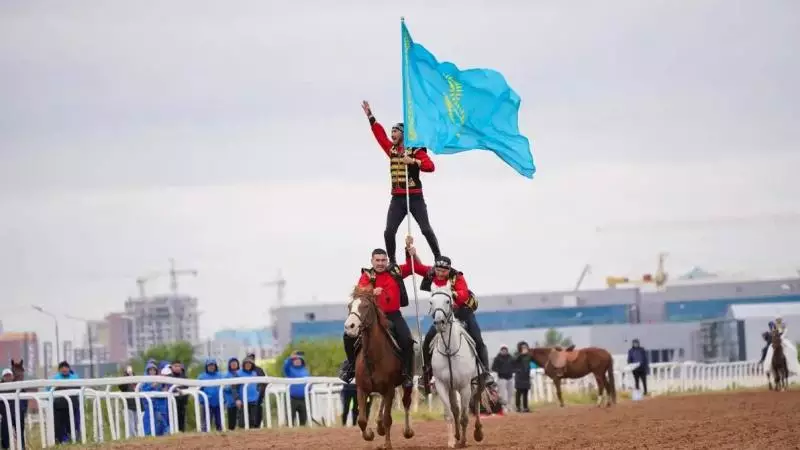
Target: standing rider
x,y
417,160
444,276
386,280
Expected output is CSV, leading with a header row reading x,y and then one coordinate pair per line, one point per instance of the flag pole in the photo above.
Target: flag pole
x,y
408,194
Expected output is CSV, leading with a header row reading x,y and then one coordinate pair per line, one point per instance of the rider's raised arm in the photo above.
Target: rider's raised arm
x,y
461,289
380,135
425,161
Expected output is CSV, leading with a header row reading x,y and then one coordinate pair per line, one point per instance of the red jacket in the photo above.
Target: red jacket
x,y
459,288
389,300
425,162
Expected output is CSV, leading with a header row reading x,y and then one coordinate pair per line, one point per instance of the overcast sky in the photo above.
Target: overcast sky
x,y
229,136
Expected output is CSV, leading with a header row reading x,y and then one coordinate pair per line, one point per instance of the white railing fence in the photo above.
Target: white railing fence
x,y
322,397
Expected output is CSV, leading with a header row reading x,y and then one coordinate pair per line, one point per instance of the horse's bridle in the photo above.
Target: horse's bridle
x,y
448,315
362,320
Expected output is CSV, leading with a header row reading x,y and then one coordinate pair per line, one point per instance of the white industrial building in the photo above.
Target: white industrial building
x,y
163,319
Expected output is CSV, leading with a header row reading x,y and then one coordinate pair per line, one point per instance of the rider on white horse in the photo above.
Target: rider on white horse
x,y
789,349
443,277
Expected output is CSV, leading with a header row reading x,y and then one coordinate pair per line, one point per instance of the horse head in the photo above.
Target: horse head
x,y
362,312
18,369
441,309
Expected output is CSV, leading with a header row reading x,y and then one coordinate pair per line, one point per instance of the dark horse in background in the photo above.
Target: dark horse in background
x,y
561,363
379,367
779,365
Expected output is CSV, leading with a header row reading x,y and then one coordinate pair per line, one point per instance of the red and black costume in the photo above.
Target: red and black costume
x,y
391,299
463,304
400,186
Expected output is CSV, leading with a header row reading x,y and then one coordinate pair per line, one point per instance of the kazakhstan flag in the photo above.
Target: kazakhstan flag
x,y
450,111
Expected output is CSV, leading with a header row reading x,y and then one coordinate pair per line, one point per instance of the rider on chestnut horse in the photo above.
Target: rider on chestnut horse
x,y
386,281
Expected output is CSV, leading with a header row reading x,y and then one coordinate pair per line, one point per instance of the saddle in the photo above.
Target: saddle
x,y
570,354
390,333
467,337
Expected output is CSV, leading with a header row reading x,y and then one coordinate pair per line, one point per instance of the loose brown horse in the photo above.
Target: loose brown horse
x,y
376,370
561,363
780,368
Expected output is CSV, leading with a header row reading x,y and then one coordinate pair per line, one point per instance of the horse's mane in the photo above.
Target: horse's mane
x,y
366,294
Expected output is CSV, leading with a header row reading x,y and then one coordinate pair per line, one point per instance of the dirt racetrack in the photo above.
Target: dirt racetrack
x,y
752,420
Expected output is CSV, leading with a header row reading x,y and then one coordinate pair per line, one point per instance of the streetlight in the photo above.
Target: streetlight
x,y
55,319
89,338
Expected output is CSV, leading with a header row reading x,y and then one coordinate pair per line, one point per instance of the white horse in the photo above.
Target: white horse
x,y
790,350
454,364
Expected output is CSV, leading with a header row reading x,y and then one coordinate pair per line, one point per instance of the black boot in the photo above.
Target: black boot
x,y
427,371
408,370
348,371
483,355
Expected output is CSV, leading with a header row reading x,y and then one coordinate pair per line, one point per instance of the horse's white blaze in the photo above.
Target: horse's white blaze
x,y
353,323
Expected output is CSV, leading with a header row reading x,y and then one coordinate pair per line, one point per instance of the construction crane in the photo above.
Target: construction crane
x,y
658,279
587,269
280,284
173,274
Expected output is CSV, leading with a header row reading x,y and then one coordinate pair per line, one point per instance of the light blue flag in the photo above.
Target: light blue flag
x,y
450,111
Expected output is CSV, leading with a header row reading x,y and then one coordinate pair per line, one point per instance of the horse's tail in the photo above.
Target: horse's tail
x,y
612,384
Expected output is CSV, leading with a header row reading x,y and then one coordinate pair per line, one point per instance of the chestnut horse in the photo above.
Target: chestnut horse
x,y
379,368
561,363
778,365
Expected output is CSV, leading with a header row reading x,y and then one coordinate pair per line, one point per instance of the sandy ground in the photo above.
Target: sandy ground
x,y
754,420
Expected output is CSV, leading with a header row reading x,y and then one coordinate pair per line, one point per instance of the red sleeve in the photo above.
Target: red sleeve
x,y
364,280
380,136
425,161
461,290
419,268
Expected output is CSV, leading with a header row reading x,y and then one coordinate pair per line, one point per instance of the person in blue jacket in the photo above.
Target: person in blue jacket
x,y
61,423
211,372
233,397
160,407
295,367
249,370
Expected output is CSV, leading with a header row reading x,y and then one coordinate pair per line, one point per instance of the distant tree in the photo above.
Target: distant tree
x,y
554,338
323,357
179,351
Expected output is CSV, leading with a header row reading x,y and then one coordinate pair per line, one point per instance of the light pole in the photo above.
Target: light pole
x,y
89,338
55,319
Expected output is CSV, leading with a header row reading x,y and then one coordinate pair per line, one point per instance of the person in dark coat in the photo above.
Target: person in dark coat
x,y
262,389
637,354
503,366
61,419
5,438
178,371
768,340
349,398
522,376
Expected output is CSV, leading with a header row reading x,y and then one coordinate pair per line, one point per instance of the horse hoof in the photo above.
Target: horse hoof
x,y
408,434
368,435
478,435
